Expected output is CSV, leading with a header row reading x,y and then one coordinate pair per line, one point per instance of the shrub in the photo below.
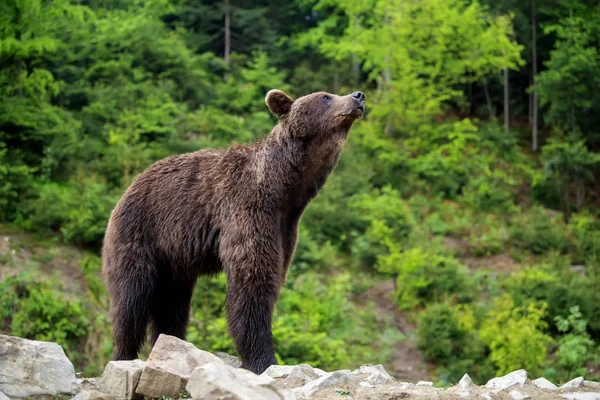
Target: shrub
x,y
316,323
539,231
515,336
447,334
559,292
80,211
575,347
425,277
389,223
38,311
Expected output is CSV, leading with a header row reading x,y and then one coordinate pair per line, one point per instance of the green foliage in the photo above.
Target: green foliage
x,y
316,323
37,311
515,336
539,230
424,277
448,335
575,347
79,211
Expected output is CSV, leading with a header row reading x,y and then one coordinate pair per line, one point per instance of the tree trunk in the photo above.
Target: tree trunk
x,y
227,31
534,128
530,100
506,103
488,100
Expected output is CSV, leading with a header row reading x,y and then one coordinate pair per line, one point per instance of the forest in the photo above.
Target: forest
x,y
459,232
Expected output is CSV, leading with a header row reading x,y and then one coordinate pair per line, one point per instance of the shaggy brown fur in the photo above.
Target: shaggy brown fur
x,y
234,210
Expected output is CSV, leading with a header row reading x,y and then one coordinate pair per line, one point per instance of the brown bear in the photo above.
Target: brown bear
x,y
235,210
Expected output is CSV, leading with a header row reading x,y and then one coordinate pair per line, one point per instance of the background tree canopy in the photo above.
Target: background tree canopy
x,y
461,223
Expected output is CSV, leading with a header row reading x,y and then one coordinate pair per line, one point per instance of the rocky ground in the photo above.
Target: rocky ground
x,y
176,369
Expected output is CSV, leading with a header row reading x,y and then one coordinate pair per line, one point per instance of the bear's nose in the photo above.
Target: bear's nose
x,y
360,96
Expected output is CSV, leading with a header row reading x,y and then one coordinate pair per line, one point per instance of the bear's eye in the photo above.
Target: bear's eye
x,y
327,98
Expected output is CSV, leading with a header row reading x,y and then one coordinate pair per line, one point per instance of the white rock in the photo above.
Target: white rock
x,y
336,378
220,381
592,385
296,377
31,367
278,371
424,383
516,395
504,382
373,375
406,386
544,383
486,396
120,378
582,396
573,383
169,366
464,385
3,396
229,359
282,371
465,382
92,395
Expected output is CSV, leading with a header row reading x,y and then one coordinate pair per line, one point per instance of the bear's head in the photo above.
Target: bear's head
x,y
318,115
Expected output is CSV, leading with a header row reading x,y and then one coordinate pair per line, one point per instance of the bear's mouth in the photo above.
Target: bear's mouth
x,y
356,112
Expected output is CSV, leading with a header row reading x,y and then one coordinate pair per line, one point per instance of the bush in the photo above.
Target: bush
x,y
515,336
447,335
38,311
539,231
575,347
79,211
423,277
316,323
389,223
559,292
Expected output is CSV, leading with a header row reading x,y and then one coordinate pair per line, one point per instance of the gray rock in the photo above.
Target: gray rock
x,y
92,395
373,375
406,386
278,371
464,386
465,382
3,396
516,395
87,384
592,385
220,381
424,383
229,359
283,371
296,378
334,379
30,367
573,383
544,383
169,366
120,378
518,377
582,396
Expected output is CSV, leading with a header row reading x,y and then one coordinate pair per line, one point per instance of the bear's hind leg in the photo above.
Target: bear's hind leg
x,y
171,309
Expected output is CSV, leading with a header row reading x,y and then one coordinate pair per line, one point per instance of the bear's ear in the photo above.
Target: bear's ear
x,y
278,102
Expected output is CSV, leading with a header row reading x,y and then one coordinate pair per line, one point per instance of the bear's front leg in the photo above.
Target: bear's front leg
x,y
253,265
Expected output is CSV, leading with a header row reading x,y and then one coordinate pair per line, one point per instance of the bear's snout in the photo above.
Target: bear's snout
x,y
359,96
